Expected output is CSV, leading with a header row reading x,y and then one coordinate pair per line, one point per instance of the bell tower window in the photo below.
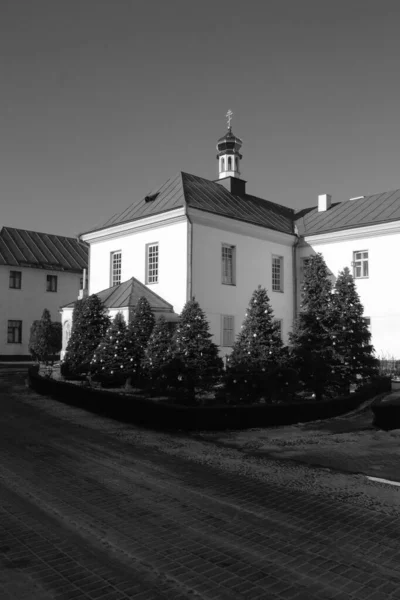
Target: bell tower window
x,y
222,164
229,164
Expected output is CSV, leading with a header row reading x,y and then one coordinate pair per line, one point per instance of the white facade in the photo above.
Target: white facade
x,y
380,291
168,230
254,248
26,304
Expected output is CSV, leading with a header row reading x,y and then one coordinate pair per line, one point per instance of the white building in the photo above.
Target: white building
x,y
214,241
37,271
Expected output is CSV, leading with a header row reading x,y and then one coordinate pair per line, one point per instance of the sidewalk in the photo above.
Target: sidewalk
x,y
349,444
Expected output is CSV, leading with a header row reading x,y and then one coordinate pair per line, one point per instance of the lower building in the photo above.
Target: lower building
x,y
37,271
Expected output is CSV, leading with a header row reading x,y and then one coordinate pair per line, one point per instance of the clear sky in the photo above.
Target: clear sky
x,y
102,101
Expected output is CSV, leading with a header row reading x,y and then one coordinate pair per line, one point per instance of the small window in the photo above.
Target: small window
x,y
229,164
279,326
14,332
367,321
360,264
222,164
228,331
152,263
51,283
228,264
15,280
277,274
237,164
116,264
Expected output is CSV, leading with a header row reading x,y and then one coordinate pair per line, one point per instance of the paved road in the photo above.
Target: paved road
x,y
93,509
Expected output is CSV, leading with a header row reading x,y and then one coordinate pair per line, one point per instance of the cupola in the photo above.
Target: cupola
x,y
228,156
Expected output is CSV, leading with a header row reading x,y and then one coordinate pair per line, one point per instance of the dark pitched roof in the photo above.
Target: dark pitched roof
x,y
369,210
21,248
127,294
209,196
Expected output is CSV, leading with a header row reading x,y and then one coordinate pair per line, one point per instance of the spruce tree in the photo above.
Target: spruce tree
x,y
89,325
136,339
312,342
158,354
106,361
41,337
257,352
195,362
352,337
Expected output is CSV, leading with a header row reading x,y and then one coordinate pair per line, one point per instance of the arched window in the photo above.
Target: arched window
x,y
237,164
229,164
222,164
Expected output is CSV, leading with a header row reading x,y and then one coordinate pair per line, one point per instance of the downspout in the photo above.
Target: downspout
x,y
295,282
189,256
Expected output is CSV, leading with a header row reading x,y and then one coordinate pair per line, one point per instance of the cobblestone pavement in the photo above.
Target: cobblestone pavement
x,y
349,444
94,509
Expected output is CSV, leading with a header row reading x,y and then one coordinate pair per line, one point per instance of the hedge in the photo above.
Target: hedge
x,y
386,414
157,415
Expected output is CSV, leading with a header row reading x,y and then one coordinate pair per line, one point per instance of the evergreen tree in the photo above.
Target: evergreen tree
x,y
106,362
136,339
313,345
352,337
41,337
89,325
158,354
195,359
257,352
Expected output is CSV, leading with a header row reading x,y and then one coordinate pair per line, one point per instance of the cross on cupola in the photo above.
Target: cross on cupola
x,y
228,152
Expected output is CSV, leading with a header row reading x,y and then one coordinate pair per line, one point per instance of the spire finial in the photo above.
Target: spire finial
x,y
229,116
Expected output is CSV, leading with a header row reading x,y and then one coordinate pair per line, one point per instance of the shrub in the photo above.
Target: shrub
x,y
45,338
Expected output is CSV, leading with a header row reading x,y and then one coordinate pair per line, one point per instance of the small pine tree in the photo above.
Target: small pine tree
x,y
136,339
89,325
312,341
195,356
257,352
106,361
158,354
41,338
351,334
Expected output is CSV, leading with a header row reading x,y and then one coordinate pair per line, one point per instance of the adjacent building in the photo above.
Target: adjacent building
x,y
37,271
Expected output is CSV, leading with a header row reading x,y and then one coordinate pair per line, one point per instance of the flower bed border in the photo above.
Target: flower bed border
x,y
150,413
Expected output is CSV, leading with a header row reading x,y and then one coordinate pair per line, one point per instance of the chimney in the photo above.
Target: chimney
x,y
324,202
234,185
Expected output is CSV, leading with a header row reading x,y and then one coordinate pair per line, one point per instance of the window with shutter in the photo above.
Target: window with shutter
x,y
228,326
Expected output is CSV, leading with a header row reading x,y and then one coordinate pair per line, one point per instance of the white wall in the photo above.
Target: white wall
x,y
380,292
172,273
27,304
253,267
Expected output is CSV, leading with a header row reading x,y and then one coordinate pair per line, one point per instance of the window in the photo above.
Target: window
x,y
14,332
15,280
279,326
222,164
277,274
152,263
360,264
228,330
367,321
115,274
228,264
51,283
303,264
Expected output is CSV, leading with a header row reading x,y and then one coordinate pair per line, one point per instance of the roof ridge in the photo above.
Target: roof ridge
x,y
7,227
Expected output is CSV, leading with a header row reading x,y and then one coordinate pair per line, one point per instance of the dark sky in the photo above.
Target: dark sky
x,y
101,101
